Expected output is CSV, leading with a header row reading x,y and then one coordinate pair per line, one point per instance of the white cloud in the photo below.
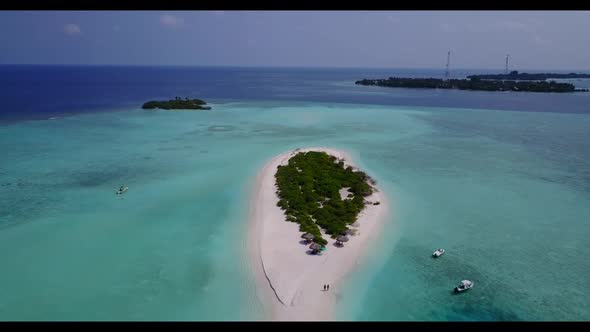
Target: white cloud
x,y
72,29
516,26
446,27
393,19
528,29
171,20
541,41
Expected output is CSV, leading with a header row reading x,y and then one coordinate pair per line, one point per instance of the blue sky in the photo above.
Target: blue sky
x,y
534,39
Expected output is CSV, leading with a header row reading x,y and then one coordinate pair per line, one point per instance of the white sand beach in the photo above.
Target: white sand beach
x,y
289,280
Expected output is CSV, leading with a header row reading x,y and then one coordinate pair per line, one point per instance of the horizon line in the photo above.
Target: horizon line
x,y
267,67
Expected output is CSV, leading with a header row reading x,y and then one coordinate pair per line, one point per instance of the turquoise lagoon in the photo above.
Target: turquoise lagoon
x,y
507,194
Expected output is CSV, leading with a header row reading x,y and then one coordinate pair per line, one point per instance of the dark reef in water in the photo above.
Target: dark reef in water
x,y
177,104
472,84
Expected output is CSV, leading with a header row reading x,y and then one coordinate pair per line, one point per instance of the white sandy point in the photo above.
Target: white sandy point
x,y
289,281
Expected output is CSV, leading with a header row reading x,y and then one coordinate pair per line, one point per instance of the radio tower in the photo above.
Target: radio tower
x,y
448,63
506,69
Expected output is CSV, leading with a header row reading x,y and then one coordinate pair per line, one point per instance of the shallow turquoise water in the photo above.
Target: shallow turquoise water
x,y
506,193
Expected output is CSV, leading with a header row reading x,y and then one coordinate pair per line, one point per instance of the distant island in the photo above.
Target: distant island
x,y
472,84
177,104
515,75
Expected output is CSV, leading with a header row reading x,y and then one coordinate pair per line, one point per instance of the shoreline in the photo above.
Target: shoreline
x,y
289,282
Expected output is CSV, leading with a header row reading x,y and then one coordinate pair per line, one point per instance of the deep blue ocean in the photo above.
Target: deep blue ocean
x,y
39,92
501,180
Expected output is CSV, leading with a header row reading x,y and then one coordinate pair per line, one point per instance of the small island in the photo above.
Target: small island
x,y
474,83
515,75
177,104
316,190
313,217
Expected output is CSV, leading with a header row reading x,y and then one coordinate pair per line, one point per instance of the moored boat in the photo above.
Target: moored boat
x,y
438,252
465,285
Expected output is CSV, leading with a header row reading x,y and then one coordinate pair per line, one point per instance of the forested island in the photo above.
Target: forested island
x,y
515,75
177,104
309,193
472,84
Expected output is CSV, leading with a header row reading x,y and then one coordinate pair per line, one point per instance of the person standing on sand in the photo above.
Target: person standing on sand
x,y
328,286
324,287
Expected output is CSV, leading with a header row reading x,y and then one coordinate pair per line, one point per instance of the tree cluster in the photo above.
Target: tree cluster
x,y
308,189
472,84
177,104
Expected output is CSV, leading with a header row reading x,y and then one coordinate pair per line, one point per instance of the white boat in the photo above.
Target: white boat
x,y
122,190
465,285
438,252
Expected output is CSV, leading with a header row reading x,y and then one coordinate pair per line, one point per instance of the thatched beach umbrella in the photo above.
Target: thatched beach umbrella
x,y
315,246
342,238
349,232
308,236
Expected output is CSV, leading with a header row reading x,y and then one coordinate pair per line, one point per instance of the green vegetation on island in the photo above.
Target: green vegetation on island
x,y
309,193
515,75
472,84
177,104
